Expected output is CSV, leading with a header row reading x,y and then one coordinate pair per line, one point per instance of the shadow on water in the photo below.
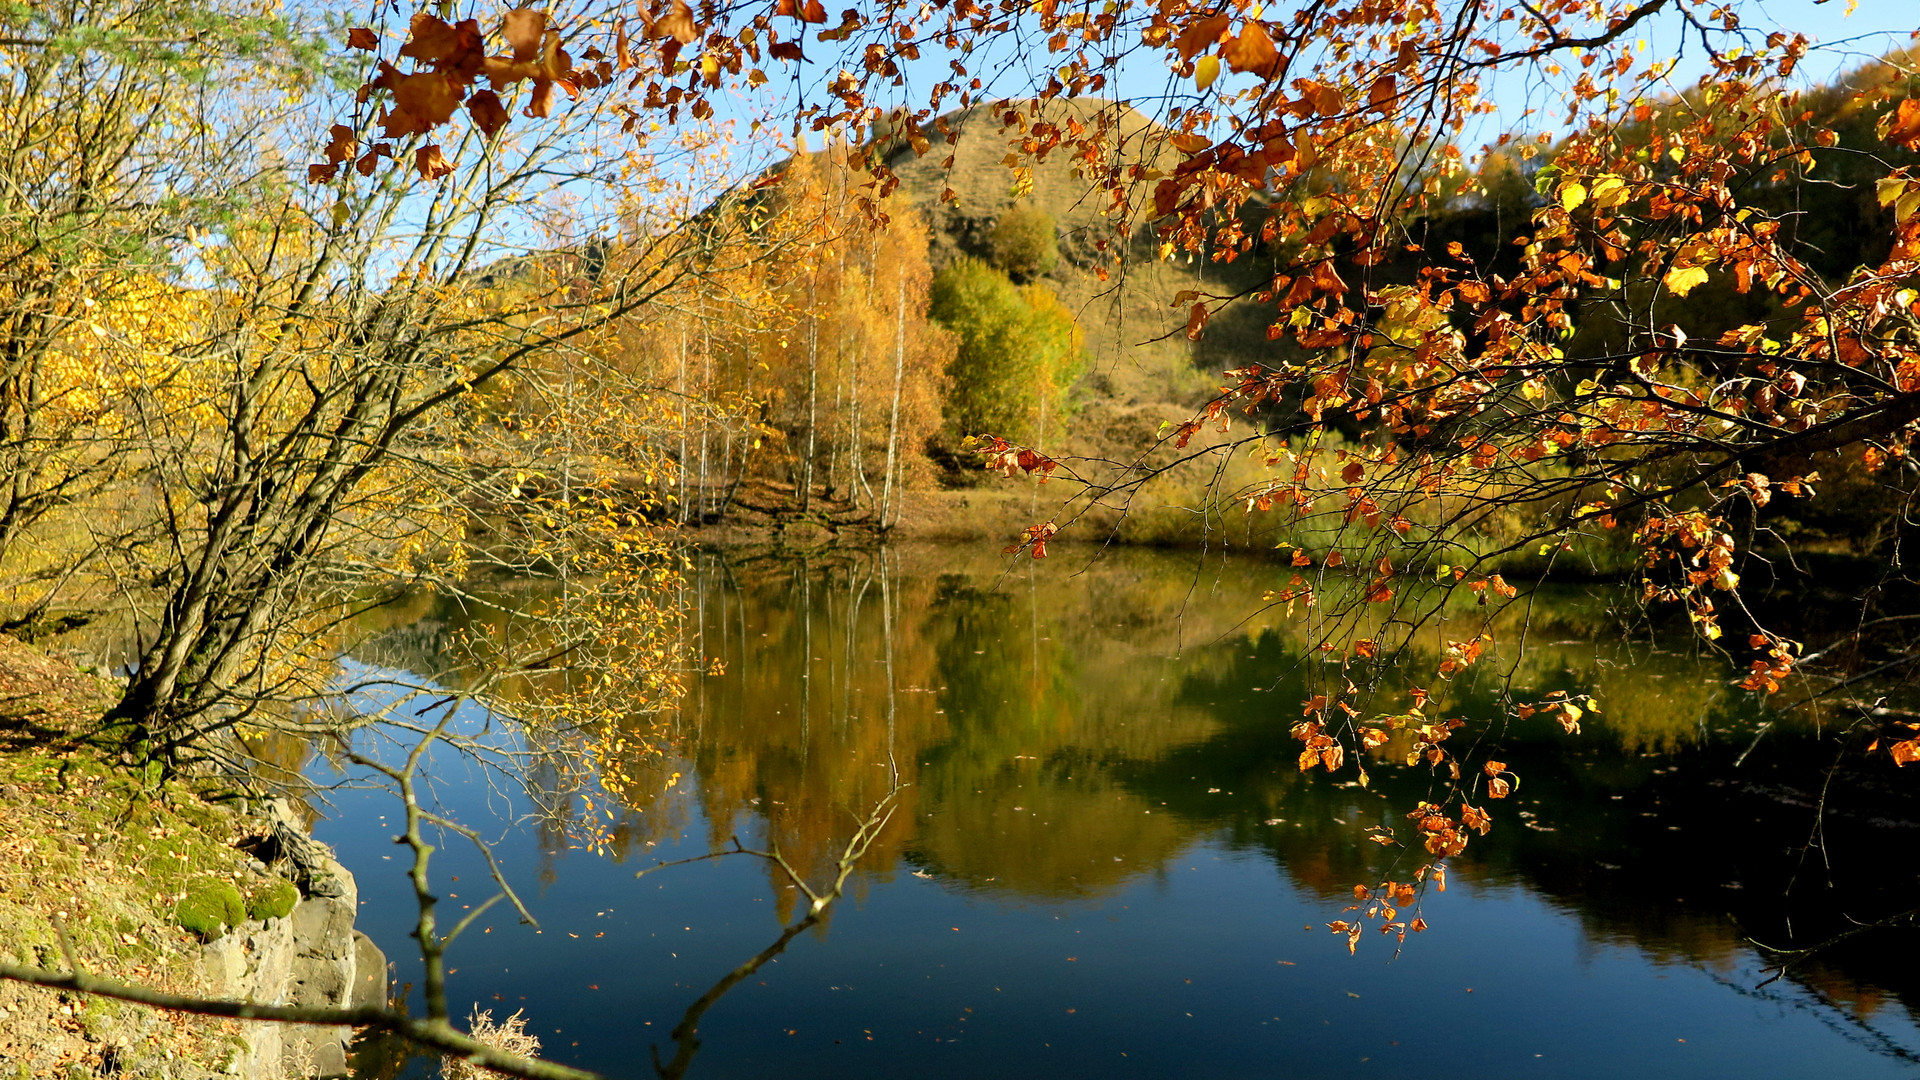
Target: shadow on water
x,y
1106,861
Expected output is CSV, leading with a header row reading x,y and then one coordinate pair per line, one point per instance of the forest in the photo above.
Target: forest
x,y
492,429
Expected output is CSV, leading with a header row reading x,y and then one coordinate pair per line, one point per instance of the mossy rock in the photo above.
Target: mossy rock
x,y
210,907
272,899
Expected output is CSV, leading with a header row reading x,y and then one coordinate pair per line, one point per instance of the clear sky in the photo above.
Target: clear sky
x,y
1847,33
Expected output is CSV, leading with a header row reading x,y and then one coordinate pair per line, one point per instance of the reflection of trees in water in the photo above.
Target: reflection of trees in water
x,y
1643,828
1062,734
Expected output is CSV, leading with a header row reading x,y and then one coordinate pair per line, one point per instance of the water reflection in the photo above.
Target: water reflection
x,y
1075,738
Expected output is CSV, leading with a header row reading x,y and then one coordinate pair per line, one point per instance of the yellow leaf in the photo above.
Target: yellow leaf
x,y
1889,190
1572,195
1681,279
1907,204
1205,70
1609,190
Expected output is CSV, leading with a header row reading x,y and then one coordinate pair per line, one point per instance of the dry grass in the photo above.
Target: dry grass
x,y
510,1035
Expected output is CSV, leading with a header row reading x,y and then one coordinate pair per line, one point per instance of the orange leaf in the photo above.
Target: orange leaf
x,y
1381,94
445,45
343,144
1904,752
431,163
1196,322
1252,50
361,37
1905,129
524,28
1198,37
430,96
678,23
322,171
541,102
488,114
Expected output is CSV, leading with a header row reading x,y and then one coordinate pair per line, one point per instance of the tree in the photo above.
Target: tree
x,y
852,366
108,162
1019,351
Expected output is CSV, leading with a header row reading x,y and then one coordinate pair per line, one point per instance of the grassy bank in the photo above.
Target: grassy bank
x,y
122,860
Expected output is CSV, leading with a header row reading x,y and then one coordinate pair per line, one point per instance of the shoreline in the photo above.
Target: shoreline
x,y
124,865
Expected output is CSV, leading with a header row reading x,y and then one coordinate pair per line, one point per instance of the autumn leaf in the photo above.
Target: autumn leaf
x,y
428,96
1381,94
1901,193
1251,50
1904,129
341,144
487,112
447,46
1904,752
678,22
524,28
540,102
431,164
1196,321
361,37
1205,71
1681,279
1198,37
812,11
1326,100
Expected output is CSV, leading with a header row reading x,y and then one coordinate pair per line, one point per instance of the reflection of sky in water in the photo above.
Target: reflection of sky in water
x,y
1108,865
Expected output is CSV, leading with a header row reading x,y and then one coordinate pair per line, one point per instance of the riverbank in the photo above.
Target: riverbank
x,y
181,885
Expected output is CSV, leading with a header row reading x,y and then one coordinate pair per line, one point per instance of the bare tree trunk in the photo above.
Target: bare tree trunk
x,y
684,501
893,421
856,476
813,400
706,413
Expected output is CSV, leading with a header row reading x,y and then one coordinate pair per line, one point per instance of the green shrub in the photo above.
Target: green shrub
x,y
210,907
1025,243
272,899
1019,351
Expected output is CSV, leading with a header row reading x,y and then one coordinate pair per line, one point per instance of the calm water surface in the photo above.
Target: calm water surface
x,y
1107,863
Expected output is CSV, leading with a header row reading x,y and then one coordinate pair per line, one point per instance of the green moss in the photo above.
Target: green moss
x,y
210,907
272,899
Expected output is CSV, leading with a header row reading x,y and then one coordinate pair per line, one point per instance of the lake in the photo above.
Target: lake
x,y
1104,860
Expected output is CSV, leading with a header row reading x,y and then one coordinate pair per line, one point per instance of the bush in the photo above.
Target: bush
x,y
1024,242
210,907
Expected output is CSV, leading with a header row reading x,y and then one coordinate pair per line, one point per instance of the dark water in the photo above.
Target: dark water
x,y
1107,863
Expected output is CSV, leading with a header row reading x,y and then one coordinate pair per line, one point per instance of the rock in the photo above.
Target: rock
x,y
311,957
370,965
